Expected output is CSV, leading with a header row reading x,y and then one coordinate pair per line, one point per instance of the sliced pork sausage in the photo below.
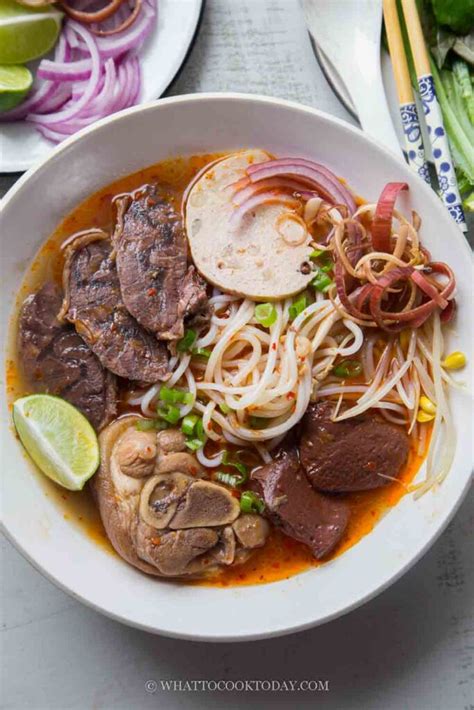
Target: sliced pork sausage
x,y
59,362
291,504
93,303
355,454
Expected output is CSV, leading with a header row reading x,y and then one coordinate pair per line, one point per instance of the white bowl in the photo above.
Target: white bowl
x,y
120,145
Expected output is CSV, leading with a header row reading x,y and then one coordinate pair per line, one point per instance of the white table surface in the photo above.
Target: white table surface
x,y
412,647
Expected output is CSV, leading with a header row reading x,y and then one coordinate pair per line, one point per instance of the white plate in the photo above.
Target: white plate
x,y
21,146
122,144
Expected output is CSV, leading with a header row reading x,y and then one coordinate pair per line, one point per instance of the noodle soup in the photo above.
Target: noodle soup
x,y
266,403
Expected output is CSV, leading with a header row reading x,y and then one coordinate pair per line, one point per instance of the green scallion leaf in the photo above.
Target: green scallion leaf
x,y
199,431
170,413
347,368
322,282
175,396
187,341
241,467
298,307
250,502
202,352
229,479
265,314
225,409
194,444
188,424
316,253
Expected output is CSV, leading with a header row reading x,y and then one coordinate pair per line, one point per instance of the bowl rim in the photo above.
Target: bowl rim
x,y
443,520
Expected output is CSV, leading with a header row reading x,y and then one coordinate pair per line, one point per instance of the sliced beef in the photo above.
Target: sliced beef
x,y
193,303
305,515
351,455
94,304
157,287
57,360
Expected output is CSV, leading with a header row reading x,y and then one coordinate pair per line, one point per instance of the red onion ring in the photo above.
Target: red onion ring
x,y
317,176
248,191
262,198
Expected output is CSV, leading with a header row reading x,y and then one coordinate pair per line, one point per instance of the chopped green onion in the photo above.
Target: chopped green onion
x,y
250,502
149,424
187,341
327,266
170,413
174,396
258,422
322,282
229,479
199,431
194,444
298,307
202,352
316,253
225,409
265,314
241,467
347,368
188,424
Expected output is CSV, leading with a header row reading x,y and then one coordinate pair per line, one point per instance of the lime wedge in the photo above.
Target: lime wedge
x,y
26,34
58,438
15,82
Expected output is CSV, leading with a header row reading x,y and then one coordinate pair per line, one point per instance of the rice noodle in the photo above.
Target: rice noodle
x,y
272,373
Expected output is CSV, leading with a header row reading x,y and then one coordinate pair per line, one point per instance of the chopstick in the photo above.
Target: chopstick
x,y
415,151
434,120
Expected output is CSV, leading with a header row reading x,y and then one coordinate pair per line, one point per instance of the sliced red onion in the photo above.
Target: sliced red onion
x,y
262,198
89,78
281,184
313,173
74,108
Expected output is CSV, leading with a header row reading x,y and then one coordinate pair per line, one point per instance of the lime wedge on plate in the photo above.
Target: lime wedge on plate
x,y
58,438
26,34
15,82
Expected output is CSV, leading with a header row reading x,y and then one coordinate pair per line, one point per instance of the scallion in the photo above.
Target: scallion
x,y
174,396
170,413
188,424
225,409
199,431
187,341
250,502
322,282
298,307
202,352
241,467
265,314
229,479
347,368
194,444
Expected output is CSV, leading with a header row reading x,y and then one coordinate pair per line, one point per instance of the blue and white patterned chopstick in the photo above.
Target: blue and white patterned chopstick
x,y
433,117
415,150
447,181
